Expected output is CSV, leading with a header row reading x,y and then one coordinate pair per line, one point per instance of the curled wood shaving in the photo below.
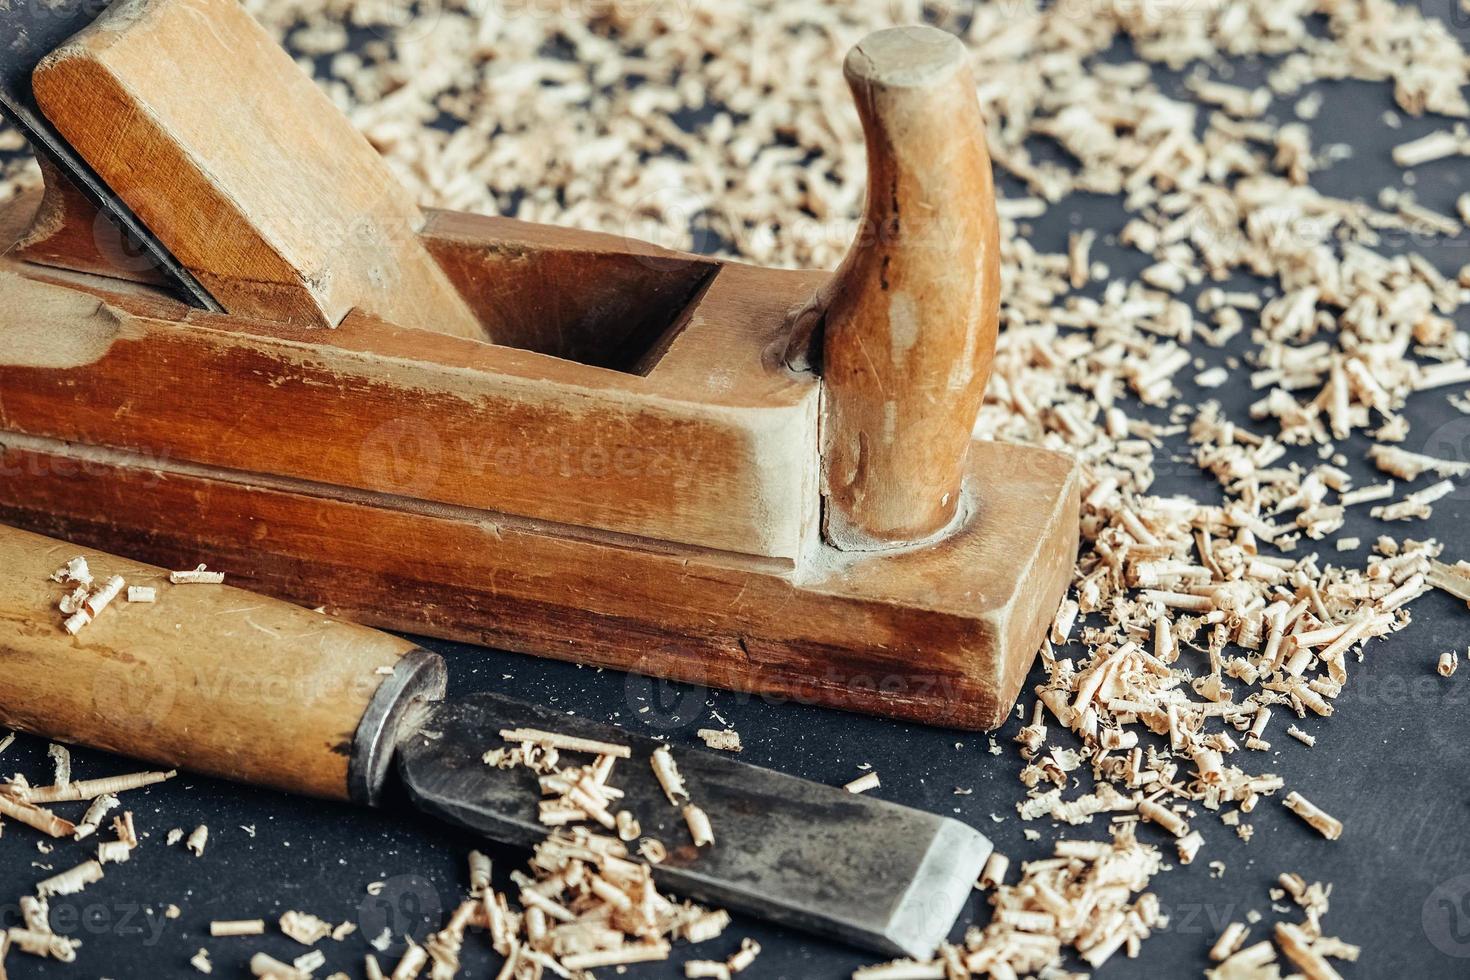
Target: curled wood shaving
x,y
36,817
480,874
741,959
96,813
75,571
237,927
1320,821
61,759
72,881
566,743
88,789
667,773
268,967
44,944
700,830
306,929
723,740
196,576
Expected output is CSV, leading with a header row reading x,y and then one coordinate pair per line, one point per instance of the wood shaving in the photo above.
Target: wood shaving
x,y
306,929
309,963
268,967
44,944
198,840
480,874
741,959
36,817
1301,736
994,872
628,827
566,743
196,576
1229,943
864,783
61,760
88,789
70,882
74,572
114,852
1453,579
667,773
723,740
1320,821
653,851
102,805
700,830
1083,898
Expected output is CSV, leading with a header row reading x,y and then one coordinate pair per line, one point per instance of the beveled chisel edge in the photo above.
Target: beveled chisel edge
x,y
944,883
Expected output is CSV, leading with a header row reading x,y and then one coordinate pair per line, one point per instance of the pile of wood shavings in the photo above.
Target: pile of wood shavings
x,y
1082,898
32,806
588,903
87,599
1303,944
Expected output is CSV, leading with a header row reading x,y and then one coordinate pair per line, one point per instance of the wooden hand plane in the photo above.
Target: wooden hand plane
x,y
551,441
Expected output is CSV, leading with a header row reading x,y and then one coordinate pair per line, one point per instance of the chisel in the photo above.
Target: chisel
x,y
225,682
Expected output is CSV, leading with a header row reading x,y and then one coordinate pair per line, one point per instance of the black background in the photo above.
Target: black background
x,y
1390,763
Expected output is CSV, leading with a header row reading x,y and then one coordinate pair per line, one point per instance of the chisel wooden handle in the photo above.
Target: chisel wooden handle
x,y
208,678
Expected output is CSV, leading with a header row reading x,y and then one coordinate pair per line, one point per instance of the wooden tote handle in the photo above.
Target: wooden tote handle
x,y
208,678
908,324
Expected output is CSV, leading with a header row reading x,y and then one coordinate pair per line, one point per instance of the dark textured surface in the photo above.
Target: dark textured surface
x,y
1391,763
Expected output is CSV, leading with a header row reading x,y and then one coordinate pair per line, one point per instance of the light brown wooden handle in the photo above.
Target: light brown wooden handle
x,y
208,678
910,318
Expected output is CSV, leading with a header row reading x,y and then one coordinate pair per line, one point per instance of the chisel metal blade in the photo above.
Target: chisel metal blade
x,y
872,873
30,30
